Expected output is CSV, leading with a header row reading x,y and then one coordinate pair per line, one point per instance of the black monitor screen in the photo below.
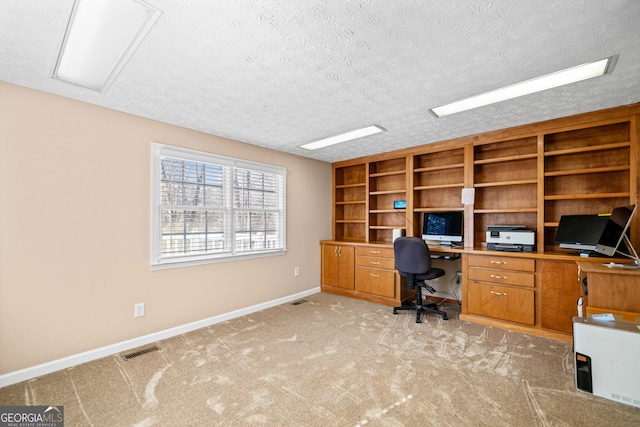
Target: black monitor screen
x,y
580,231
442,224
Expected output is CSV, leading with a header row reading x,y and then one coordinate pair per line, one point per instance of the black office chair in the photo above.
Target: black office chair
x,y
413,261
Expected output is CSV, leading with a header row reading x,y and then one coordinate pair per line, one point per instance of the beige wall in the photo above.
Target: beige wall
x,y
75,233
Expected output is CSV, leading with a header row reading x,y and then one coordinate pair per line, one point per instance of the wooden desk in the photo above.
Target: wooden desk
x,y
617,289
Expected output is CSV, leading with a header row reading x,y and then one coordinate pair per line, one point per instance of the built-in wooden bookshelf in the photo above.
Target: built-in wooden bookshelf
x,y
387,184
587,170
438,180
531,175
505,178
350,200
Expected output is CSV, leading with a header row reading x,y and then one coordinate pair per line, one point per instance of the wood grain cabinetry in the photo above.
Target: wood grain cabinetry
x,y
501,287
527,176
612,290
588,169
559,293
338,263
364,271
530,175
438,179
505,179
387,183
350,203
375,271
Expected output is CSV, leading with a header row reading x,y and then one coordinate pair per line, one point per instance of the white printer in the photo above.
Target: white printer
x,y
511,238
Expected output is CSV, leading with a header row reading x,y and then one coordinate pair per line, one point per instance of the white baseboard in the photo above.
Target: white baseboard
x,y
87,356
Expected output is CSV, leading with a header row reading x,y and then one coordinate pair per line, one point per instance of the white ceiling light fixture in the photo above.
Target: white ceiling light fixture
x,y
100,38
344,137
549,81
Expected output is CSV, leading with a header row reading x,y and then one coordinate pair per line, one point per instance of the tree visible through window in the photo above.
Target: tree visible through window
x,y
209,207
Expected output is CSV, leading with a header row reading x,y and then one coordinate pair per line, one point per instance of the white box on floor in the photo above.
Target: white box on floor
x,y
606,359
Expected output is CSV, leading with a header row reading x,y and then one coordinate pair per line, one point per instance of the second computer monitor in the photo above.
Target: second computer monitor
x,y
443,228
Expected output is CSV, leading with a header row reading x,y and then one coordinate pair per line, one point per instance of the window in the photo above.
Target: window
x,y
208,207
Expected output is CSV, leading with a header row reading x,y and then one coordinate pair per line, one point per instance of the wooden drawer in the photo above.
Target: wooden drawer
x,y
386,263
506,277
375,281
504,263
501,302
374,252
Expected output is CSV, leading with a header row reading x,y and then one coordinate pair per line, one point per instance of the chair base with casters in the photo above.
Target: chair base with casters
x,y
413,261
419,306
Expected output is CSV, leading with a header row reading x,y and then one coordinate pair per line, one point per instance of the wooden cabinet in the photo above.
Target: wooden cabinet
x,y
612,290
559,292
530,175
364,271
338,263
375,271
501,287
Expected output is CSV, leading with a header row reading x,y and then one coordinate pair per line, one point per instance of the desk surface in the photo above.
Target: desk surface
x,y
552,254
600,267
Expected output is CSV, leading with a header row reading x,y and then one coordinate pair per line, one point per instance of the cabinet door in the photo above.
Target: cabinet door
x,y
346,267
330,265
560,290
338,264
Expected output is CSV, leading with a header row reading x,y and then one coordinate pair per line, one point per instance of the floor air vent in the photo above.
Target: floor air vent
x,y
300,301
140,352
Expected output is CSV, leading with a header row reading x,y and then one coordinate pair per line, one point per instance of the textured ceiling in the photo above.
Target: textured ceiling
x,y
281,73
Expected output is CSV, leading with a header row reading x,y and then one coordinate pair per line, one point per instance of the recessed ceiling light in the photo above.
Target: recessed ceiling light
x,y
343,137
549,81
100,38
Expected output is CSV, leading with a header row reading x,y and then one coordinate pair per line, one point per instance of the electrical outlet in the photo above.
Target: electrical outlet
x,y
138,310
296,271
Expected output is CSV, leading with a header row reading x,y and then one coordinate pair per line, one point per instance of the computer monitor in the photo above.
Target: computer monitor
x,y
442,228
615,233
580,232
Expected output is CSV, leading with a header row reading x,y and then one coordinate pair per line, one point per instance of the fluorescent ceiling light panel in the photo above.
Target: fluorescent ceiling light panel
x,y
343,137
100,38
549,81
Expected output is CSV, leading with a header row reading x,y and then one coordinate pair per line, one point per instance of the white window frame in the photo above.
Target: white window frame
x,y
160,261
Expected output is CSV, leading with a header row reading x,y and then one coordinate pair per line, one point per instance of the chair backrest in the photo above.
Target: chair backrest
x,y
412,255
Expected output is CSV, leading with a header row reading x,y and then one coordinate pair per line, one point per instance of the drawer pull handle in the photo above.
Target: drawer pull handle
x,y
502,294
374,275
374,262
374,252
499,262
495,276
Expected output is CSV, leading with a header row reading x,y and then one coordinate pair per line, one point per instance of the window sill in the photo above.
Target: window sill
x,y
188,262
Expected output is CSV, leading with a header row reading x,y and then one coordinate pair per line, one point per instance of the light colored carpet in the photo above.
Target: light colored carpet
x,y
331,361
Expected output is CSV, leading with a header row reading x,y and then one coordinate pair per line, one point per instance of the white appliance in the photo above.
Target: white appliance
x,y
510,238
606,358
